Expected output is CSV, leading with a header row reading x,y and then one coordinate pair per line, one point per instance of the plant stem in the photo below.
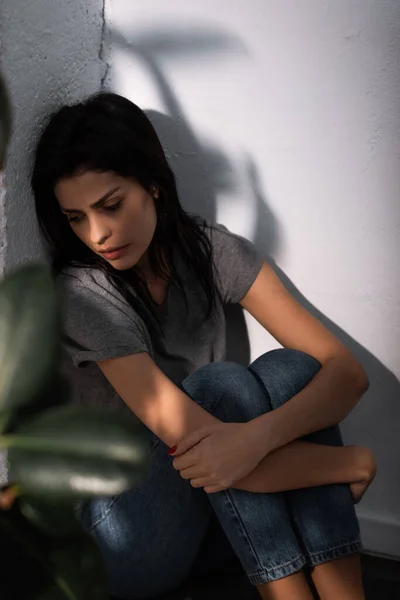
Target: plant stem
x,y
64,587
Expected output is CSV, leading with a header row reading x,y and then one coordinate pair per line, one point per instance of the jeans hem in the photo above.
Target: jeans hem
x,y
347,549
278,572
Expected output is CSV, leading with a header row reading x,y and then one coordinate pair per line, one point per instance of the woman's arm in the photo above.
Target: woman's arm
x,y
165,409
333,392
301,465
173,416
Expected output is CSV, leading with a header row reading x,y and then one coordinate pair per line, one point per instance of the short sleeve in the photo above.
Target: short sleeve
x,y
98,324
237,263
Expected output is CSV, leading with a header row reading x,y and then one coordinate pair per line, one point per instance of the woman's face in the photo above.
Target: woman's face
x,y
115,217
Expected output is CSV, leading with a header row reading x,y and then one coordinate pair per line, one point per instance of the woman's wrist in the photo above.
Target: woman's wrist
x,y
357,463
273,431
260,435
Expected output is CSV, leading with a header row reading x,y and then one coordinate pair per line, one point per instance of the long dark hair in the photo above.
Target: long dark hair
x,y
109,133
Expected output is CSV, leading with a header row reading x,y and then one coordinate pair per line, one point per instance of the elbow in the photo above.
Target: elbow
x,y
355,375
363,384
360,379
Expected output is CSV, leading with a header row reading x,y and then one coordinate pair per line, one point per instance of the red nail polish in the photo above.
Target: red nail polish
x,y
172,450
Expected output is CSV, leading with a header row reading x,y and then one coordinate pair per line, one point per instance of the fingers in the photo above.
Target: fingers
x,y
199,482
212,489
203,482
191,473
192,439
185,461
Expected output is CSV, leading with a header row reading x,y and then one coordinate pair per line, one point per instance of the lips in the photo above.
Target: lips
x,y
114,253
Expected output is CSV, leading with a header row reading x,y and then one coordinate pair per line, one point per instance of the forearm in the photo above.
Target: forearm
x,y
162,406
325,401
301,465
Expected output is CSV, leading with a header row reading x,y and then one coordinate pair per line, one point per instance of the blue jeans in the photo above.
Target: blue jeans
x,y
150,535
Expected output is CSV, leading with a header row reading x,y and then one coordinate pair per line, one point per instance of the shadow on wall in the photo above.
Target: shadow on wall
x,y
204,172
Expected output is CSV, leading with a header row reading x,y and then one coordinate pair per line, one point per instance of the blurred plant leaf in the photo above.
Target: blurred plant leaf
x,y
57,392
5,121
29,335
78,571
5,417
72,566
76,452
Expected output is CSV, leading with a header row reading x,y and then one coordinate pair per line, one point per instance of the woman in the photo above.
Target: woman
x,y
145,288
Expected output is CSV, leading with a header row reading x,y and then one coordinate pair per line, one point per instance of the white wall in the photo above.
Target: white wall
x,y
282,120
50,54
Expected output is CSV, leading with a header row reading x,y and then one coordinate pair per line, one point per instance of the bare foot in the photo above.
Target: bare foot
x,y
367,474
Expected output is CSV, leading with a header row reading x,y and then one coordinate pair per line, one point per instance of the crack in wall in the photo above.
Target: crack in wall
x,y
104,46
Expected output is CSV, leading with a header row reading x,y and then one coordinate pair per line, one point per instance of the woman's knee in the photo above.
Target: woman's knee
x,y
213,380
284,373
228,391
286,358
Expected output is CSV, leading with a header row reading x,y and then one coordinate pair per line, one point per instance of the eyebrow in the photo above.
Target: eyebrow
x,y
97,204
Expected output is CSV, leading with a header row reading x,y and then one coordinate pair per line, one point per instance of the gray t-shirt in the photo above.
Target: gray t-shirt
x,y
99,324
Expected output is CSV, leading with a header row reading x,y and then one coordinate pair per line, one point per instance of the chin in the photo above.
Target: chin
x,y
122,265
125,263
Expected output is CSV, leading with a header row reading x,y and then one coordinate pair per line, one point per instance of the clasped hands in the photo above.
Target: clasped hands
x,y
218,456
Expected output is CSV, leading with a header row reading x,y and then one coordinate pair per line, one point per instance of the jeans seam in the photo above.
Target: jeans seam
x,y
104,515
280,566
258,577
236,514
354,543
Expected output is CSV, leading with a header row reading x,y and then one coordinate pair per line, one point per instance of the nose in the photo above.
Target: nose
x,y
99,231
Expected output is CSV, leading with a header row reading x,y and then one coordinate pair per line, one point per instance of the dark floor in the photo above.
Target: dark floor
x,y
381,577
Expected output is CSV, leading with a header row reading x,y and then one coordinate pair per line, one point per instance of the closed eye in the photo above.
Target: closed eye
x,y
113,207
74,219
109,208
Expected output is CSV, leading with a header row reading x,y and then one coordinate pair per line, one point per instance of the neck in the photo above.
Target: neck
x,y
144,267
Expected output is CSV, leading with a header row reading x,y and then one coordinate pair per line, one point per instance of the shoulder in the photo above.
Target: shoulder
x,y
220,237
215,231
236,260
98,323
227,244
73,278
89,291
86,282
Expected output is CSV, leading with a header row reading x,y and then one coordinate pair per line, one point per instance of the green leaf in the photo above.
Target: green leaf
x,y
29,335
77,452
5,417
54,593
56,393
5,121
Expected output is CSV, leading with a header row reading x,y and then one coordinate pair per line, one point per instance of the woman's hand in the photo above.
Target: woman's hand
x,y
218,456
